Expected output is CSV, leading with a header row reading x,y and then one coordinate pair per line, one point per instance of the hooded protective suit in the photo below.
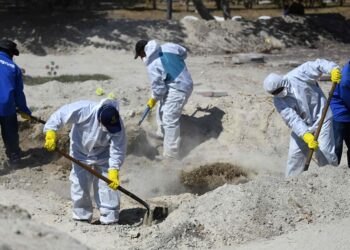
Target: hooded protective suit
x,y
172,85
91,144
300,104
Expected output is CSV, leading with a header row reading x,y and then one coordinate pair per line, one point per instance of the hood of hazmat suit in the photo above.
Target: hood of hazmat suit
x,y
89,141
167,69
301,102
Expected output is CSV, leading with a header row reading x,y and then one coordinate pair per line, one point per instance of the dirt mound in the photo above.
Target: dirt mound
x,y
79,31
211,176
265,207
17,231
265,35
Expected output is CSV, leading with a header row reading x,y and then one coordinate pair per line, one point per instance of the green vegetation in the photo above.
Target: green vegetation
x,y
37,80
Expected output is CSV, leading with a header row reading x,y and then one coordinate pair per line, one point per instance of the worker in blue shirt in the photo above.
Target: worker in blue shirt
x,y
11,98
340,105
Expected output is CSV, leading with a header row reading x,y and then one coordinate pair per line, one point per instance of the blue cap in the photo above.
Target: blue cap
x,y
109,117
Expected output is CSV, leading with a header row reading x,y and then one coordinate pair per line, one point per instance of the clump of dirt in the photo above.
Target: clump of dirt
x,y
211,176
13,212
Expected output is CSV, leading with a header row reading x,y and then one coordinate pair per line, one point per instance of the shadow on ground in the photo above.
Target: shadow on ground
x,y
31,158
197,130
304,31
131,216
139,145
42,33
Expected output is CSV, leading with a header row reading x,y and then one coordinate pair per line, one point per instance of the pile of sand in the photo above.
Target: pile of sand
x,y
34,34
265,35
19,232
265,207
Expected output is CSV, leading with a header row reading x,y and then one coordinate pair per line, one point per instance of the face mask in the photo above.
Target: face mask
x,y
283,93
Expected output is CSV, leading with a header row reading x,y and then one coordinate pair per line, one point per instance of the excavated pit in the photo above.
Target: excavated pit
x,y
210,176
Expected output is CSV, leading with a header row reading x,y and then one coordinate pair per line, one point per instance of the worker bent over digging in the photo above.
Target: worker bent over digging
x,y
300,101
97,138
171,85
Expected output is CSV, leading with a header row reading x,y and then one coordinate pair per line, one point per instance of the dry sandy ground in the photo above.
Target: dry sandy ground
x,y
264,210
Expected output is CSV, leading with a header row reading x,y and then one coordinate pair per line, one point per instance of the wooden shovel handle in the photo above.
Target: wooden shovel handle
x,y
95,173
100,176
318,131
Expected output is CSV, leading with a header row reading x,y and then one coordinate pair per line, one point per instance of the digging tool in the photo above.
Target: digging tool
x,y
158,212
100,176
145,113
318,131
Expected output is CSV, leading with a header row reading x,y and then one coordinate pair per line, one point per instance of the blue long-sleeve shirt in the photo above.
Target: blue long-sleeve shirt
x,y
11,87
340,103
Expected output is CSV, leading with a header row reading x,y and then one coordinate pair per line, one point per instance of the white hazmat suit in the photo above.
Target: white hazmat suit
x,y
301,104
171,85
91,144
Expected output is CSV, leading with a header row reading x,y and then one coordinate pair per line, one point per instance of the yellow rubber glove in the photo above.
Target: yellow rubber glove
x,y
151,102
112,96
335,75
309,139
113,176
99,91
50,140
24,116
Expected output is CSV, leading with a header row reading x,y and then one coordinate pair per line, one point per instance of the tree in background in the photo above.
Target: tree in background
x,y
225,5
169,9
202,10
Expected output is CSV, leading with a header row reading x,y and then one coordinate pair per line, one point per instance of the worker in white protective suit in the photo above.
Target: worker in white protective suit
x,y
300,101
171,85
97,138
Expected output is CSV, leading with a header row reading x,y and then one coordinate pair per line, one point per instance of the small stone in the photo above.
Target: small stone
x,y
134,234
39,169
131,113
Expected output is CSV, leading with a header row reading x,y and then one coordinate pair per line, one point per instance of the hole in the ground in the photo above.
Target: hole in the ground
x,y
210,176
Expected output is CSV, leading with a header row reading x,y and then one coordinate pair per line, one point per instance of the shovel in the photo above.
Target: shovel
x,y
318,131
157,214
145,113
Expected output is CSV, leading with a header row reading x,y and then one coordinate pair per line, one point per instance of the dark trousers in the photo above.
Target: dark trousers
x,y
9,133
342,133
